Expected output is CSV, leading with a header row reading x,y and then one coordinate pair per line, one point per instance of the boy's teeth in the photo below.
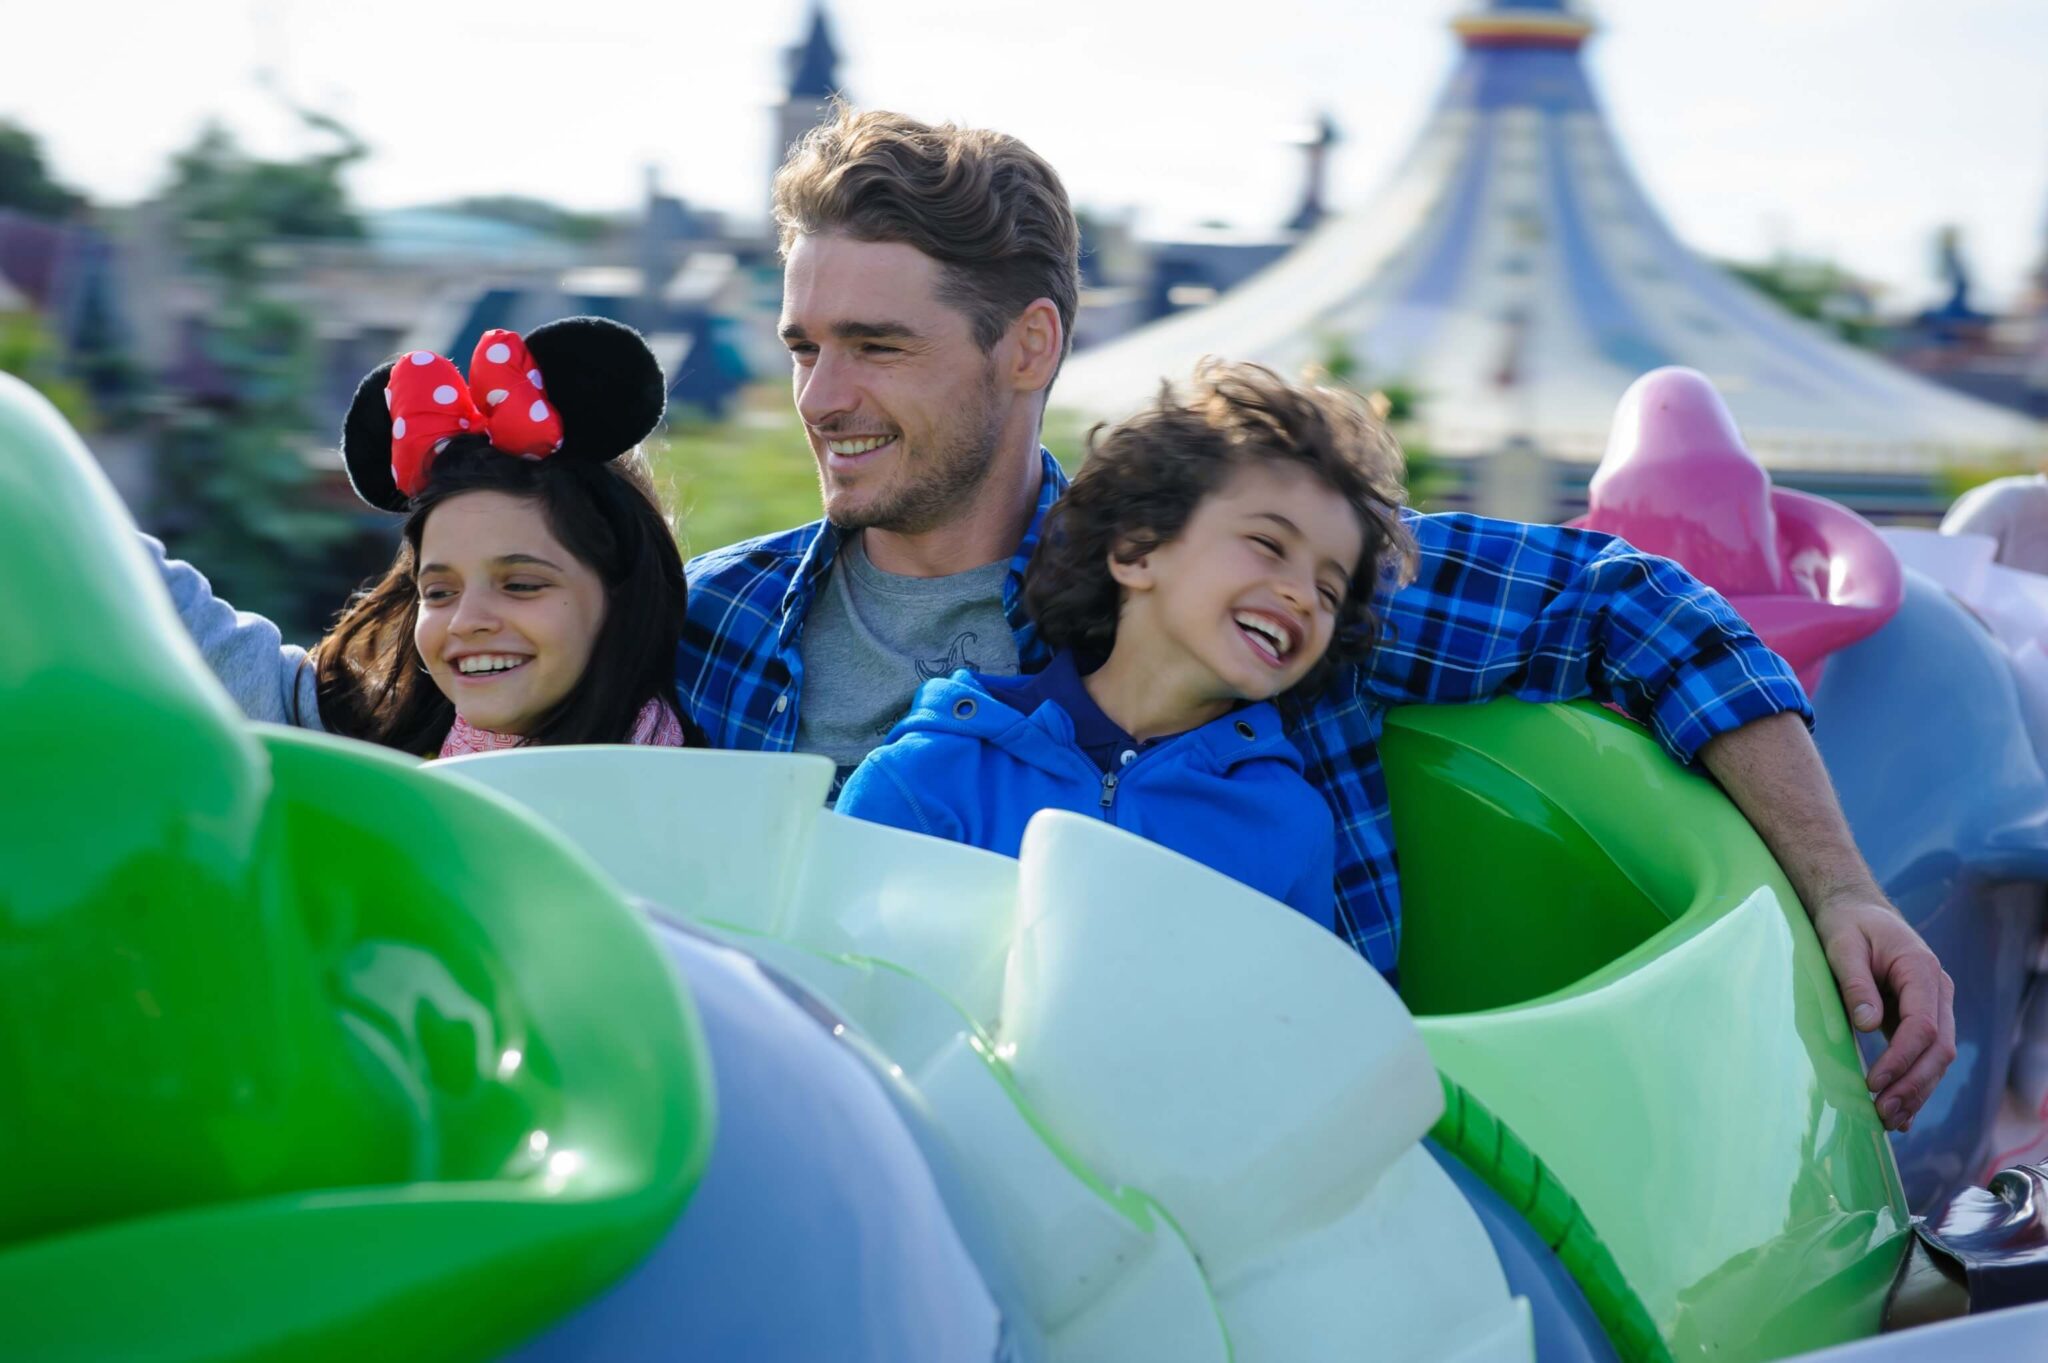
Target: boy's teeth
x,y
860,446
1266,630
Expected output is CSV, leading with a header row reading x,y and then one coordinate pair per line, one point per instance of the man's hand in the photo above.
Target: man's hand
x,y
1889,978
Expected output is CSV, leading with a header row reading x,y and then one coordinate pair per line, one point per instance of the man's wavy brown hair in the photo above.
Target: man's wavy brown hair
x,y
986,207
1143,479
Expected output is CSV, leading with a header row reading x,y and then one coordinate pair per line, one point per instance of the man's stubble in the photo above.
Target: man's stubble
x,y
936,486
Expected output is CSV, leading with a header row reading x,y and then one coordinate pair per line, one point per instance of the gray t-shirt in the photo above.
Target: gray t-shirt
x,y
2013,511
872,638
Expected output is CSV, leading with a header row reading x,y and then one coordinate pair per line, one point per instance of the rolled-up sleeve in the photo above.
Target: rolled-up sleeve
x,y
1550,613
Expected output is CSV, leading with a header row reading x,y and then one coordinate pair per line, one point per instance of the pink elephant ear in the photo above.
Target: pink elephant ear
x,y
508,385
1809,576
1677,480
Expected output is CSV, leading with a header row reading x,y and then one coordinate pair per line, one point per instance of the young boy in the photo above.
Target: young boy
x,y
1212,555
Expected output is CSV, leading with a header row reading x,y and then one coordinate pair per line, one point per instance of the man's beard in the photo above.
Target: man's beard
x,y
937,485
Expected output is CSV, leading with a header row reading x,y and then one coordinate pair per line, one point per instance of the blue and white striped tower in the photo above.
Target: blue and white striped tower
x,y
1514,272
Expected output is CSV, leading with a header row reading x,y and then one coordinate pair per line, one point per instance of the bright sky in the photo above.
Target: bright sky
x,y
1847,128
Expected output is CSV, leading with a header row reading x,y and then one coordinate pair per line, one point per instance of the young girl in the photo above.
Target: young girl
x,y
1212,555
537,596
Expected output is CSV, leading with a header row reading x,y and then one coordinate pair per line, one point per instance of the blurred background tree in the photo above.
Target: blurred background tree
x,y
238,464
28,352
1397,403
750,474
80,361
226,203
1818,290
524,211
25,180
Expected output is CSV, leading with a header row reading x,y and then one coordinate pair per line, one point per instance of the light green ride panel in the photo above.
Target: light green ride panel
x,y
1131,1057
1606,957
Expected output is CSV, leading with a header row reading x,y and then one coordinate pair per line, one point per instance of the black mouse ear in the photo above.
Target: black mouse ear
x,y
366,443
604,381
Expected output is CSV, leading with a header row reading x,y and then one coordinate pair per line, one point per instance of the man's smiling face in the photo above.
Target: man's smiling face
x,y
901,406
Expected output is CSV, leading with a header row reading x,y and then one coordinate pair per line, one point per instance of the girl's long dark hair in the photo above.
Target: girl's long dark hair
x,y
370,680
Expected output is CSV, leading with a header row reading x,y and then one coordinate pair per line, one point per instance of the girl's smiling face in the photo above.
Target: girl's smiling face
x,y
507,616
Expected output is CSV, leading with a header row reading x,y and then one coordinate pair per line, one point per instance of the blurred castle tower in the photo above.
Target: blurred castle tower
x,y
1321,136
2036,310
813,67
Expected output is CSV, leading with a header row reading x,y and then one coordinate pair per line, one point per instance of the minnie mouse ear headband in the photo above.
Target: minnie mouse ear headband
x,y
584,388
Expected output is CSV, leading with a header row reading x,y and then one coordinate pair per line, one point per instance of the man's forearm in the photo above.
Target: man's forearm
x,y
1773,772
1887,976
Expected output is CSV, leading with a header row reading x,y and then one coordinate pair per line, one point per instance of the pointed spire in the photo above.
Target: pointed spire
x,y
1320,137
814,62
2041,270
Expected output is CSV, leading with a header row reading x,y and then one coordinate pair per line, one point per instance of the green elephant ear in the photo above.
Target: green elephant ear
x,y
286,1026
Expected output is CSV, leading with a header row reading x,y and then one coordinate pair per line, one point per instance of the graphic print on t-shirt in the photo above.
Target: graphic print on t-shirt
x,y
872,638
956,658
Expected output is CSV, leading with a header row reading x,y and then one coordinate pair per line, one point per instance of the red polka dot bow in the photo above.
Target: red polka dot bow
x,y
431,404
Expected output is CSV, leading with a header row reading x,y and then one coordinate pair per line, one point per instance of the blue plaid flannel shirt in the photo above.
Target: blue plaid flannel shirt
x,y
1497,608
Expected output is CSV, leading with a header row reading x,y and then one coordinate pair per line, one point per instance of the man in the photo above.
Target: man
x,y
928,300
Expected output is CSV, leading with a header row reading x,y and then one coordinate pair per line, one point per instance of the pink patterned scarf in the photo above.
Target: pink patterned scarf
x,y
656,726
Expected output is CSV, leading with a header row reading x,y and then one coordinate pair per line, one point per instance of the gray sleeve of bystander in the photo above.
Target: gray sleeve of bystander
x,y
267,677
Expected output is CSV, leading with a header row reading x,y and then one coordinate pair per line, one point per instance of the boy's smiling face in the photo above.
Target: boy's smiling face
x,y
1245,600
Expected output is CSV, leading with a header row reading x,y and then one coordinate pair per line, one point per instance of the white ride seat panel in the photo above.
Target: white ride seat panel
x,y
717,836
1192,1113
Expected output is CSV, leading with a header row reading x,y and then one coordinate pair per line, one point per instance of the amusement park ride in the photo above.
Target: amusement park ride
x,y
314,1051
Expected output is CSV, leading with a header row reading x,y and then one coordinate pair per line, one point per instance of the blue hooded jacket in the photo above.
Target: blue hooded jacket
x,y
968,765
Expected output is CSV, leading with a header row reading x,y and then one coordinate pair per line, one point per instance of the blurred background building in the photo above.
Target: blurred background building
x,y
1514,277
1508,281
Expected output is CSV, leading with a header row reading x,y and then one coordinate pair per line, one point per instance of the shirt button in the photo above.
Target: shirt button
x,y
782,702
1130,756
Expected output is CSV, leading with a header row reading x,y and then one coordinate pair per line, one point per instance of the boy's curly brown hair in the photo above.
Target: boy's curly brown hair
x,y
1144,477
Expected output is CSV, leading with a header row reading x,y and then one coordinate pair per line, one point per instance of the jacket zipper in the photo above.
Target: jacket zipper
x,y
1110,781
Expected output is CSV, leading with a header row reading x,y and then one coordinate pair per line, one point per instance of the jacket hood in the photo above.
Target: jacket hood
x,y
987,708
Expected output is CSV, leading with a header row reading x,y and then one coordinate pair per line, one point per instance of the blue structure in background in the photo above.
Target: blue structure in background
x,y
1922,731
1514,275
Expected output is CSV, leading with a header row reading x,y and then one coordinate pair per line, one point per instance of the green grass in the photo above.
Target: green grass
x,y
739,478
752,474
